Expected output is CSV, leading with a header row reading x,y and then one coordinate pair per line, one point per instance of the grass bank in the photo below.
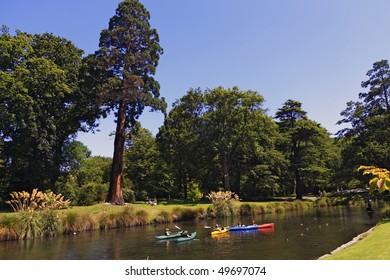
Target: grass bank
x,y
49,223
38,224
373,245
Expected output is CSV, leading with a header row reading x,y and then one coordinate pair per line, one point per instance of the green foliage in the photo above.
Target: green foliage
x,y
194,193
143,164
43,103
30,225
365,139
88,183
311,153
219,136
51,223
92,193
128,195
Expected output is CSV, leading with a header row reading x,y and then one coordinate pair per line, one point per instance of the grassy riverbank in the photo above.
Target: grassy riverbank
x,y
37,224
374,245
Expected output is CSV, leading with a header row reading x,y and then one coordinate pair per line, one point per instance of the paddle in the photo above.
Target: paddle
x,y
177,227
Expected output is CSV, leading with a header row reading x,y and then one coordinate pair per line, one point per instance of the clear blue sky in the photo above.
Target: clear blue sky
x,y
316,52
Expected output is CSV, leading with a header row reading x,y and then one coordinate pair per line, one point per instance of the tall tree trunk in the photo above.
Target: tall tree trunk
x,y
297,175
115,195
226,178
298,182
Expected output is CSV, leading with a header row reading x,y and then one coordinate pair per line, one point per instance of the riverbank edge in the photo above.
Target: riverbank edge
x,y
356,249
355,240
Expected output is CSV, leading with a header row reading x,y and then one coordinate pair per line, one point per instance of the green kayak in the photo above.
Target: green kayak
x,y
172,235
190,237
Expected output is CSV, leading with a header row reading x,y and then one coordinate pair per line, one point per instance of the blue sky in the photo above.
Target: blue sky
x,y
316,52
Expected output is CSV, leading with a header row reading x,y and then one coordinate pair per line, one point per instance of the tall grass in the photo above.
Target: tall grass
x,y
30,225
9,227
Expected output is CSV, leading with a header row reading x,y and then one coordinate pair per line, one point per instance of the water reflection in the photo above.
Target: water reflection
x,y
296,235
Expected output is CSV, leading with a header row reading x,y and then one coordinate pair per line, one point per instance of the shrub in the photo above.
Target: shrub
x,y
51,223
223,203
194,193
128,195
92,193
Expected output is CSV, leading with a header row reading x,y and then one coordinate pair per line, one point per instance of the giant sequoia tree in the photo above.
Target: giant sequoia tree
x,y
129,53
44,101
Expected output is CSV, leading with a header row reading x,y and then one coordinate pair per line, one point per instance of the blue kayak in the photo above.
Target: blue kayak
x,y
237,228
186,238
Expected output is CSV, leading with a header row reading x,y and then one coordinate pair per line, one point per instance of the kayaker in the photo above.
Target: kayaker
x,y
184,233
369,205
167,232
217,227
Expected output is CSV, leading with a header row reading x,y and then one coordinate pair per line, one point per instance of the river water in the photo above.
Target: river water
x,y
298,235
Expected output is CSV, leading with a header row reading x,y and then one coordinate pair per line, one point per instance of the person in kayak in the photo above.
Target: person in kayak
x,y
184,233
217,227
167,232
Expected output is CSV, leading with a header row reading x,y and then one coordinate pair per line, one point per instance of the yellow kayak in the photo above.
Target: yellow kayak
x,y
219,231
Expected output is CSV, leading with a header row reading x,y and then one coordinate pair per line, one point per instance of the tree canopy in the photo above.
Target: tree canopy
x,y
221,138
365,141
44,102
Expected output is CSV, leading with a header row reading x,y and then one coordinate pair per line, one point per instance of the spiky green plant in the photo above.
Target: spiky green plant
x,y
30,225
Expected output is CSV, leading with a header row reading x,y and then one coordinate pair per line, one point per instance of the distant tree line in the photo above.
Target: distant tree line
x,y
211,139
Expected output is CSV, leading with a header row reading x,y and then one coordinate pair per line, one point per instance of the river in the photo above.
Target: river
x,y
297,235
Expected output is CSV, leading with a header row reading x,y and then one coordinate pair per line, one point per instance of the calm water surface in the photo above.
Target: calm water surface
x,y
297,236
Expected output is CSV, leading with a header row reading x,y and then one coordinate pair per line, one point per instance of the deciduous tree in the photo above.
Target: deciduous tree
x,y
44,102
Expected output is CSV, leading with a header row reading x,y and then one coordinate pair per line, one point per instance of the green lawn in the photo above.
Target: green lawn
x,y
374,246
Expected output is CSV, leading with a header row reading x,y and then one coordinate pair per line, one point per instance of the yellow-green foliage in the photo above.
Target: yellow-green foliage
x,y
37,200
381,180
